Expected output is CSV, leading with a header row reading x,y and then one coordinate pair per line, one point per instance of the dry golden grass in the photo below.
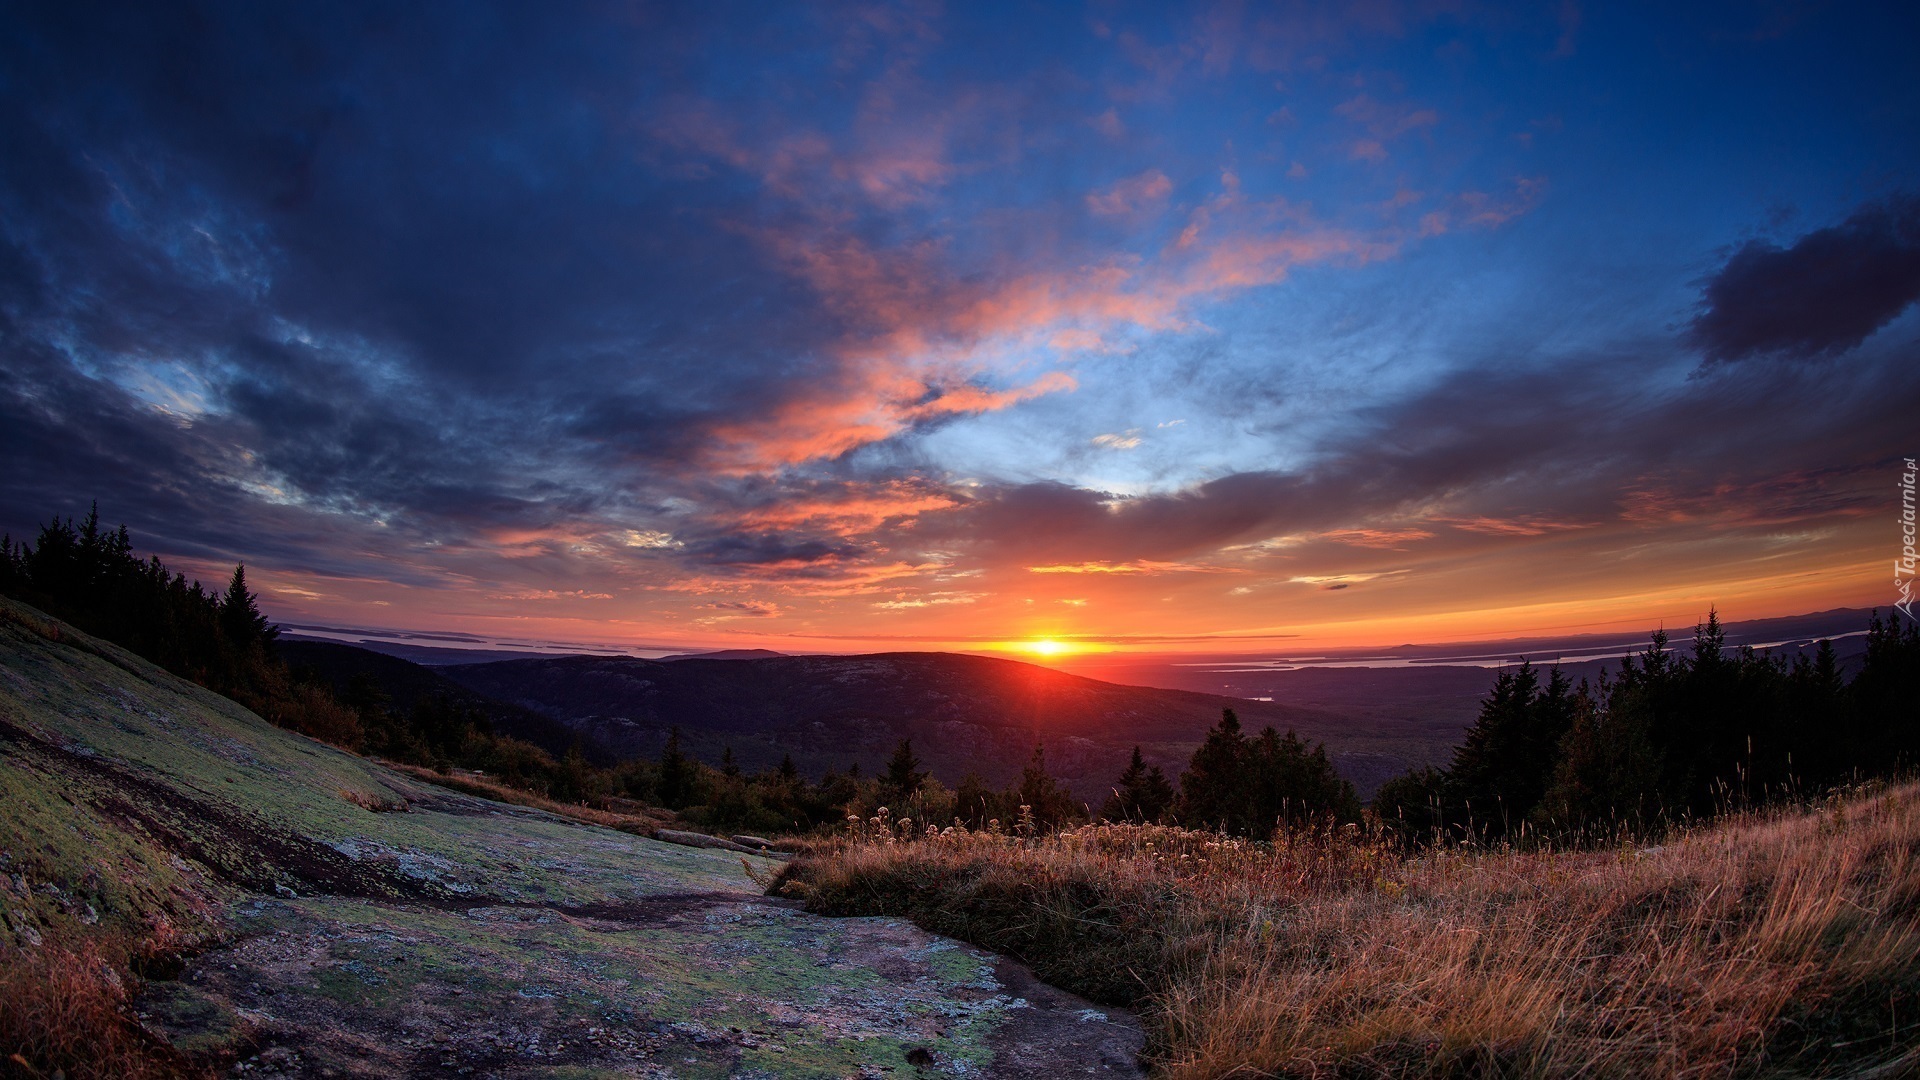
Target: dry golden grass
x,y
64,1012
374,803
624,815
1784,944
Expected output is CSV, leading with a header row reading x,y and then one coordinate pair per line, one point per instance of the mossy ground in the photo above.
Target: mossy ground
x,y
457,937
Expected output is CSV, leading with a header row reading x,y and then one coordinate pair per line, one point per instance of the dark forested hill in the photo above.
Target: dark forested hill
x,y
963,713
406,685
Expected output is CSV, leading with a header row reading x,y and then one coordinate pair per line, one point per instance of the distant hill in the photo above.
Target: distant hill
x,y
406,682
963,713
724,654
1432,693
427,655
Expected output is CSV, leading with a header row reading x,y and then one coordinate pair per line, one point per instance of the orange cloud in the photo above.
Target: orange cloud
x,y
1378,538
850,509
1783,500
1516,526
1138,566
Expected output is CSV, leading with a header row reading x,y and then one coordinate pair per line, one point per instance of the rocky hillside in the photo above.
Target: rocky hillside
x,y
302,911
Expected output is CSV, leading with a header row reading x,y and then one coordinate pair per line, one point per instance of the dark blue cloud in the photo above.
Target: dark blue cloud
x,y
1820,296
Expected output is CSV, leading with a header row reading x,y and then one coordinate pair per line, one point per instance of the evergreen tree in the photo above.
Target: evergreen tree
x,y
1285,782
573,777
1041,794
1884,698
1209,789
1506,763
835,795
1415,806
975,803
677,774
1142,793
240,615
1608,772
1247,787
902,780
1823,744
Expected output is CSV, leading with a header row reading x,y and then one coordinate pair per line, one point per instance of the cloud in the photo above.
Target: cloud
x,y
1134,195
1494,458
1344,581
771,549
1820,297
1385,120
1484,210
904,602
743,609
1377,537
1141,566
1110,441
844,507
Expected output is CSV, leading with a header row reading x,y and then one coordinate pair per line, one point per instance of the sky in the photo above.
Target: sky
x,y
842,327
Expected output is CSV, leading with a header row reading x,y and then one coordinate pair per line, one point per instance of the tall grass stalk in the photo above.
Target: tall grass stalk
x,y
1782,943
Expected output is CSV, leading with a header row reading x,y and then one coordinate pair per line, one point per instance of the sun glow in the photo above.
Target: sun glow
x,y
1048,647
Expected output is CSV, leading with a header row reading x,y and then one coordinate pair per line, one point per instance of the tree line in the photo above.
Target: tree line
x,y
1675,735
90,577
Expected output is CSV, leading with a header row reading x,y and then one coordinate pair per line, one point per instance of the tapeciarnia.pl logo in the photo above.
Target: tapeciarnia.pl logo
x,y
1904,565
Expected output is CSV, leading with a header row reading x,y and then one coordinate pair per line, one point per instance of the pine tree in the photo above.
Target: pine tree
x,y
1506,763
1608,772
1282,781
677,778
240,617
1142,794
1414,805
975,803
902,780
1210,788
1041,794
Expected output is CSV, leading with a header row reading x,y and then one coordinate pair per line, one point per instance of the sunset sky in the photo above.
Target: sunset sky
x,y
855,326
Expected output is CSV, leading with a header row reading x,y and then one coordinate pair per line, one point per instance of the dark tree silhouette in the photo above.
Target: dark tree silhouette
x,y
1142,793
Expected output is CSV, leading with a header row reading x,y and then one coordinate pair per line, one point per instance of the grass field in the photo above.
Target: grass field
x,y
1770,944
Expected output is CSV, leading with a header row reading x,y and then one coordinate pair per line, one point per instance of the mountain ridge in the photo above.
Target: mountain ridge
x,y
965,713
